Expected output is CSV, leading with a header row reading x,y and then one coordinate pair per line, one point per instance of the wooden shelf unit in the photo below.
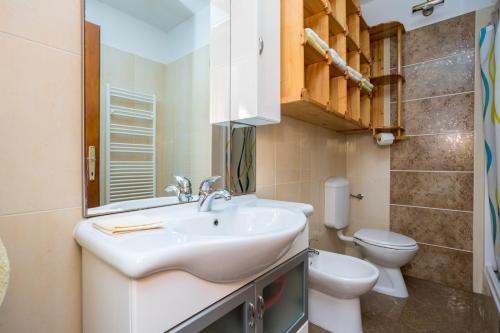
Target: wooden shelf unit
x,y
384,76
314,90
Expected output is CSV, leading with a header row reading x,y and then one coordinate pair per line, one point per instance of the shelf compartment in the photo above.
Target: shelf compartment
x,y
338,17
313,56
317,82
365,110
364,45
387,79
352,7
364,58
385,30
313,7
353,104
396,130
352,45
334,25
336,72
338,95
362,24
316,113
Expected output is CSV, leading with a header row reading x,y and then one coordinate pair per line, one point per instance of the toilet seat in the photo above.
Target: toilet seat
x,y
386,239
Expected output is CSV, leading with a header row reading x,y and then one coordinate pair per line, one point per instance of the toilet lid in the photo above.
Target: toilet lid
x,y
384,238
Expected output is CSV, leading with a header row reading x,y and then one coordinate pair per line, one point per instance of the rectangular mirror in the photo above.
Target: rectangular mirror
x,y
147,98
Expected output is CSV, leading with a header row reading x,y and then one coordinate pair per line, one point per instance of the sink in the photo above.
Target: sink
x,y
237,240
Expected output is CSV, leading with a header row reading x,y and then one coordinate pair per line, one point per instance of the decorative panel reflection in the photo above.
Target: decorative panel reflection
x,y
240,177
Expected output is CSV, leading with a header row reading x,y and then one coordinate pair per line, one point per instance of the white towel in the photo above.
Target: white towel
x,y
312,37
354,74
4,272
121,224
337,60
367,83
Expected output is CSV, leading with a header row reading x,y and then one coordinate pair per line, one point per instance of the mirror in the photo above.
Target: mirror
x,y
147,99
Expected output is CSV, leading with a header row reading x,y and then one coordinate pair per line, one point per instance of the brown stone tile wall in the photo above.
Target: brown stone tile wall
x,y
432,172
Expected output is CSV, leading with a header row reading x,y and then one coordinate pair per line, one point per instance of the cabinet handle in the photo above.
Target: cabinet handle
x,y
261,45
251,315
261,308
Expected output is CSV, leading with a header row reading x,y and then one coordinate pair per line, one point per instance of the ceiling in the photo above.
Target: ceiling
x,y
163,14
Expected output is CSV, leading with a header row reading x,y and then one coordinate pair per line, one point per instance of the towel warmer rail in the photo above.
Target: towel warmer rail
x,y
130,179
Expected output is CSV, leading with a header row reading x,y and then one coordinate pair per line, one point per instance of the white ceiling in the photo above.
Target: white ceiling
x,y
163,14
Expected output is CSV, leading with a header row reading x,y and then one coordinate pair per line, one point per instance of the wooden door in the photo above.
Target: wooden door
x,y
92,72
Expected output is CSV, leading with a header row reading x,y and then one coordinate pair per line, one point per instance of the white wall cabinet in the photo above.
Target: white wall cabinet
x,y
254,64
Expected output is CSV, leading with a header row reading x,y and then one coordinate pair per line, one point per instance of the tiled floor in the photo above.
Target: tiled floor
x,y
431,308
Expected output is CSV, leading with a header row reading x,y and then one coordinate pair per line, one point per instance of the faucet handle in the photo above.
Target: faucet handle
x,y
173,188
206,185
184,184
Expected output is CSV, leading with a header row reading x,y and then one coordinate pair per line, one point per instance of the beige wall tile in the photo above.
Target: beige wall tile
x,y
293,161
41,124
266,192
53,22
266,158
44,293
368,172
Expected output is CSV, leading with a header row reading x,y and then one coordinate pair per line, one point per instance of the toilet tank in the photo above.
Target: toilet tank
x,y
337,192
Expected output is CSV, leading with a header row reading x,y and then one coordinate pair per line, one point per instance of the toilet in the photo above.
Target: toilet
x,y
387,250
335,283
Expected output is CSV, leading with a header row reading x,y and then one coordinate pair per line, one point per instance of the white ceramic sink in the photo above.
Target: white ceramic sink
x,y
236,241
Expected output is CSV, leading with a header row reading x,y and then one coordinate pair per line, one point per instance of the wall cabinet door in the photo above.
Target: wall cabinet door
x,y
245,62
234,314
281,297
255,61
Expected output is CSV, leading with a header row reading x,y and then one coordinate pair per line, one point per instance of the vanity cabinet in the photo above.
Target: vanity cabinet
x,y
274,303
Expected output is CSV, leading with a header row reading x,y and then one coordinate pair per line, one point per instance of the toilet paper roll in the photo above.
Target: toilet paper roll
x,y
385,139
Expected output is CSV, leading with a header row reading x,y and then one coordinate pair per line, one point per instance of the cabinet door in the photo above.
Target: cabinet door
x,y
281,297
233,314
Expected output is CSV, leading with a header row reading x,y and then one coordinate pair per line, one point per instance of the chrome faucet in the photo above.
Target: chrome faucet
x,y
207,194
182,189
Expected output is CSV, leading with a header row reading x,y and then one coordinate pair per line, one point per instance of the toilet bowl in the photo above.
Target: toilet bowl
x,y
387,250
335,283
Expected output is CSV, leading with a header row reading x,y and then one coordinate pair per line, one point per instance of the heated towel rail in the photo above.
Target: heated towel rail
x,y
130,148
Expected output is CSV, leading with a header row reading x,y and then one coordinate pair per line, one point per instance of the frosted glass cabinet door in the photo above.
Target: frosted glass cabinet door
x,y
233,314
281,297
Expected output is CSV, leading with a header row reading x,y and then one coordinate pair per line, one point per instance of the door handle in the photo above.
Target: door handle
x,y
251,315
91,159
260,307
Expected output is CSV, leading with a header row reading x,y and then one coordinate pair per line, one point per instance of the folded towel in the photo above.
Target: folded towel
x,y
118,225
367,84
337,61
315,41
4,271
354,74
312,34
